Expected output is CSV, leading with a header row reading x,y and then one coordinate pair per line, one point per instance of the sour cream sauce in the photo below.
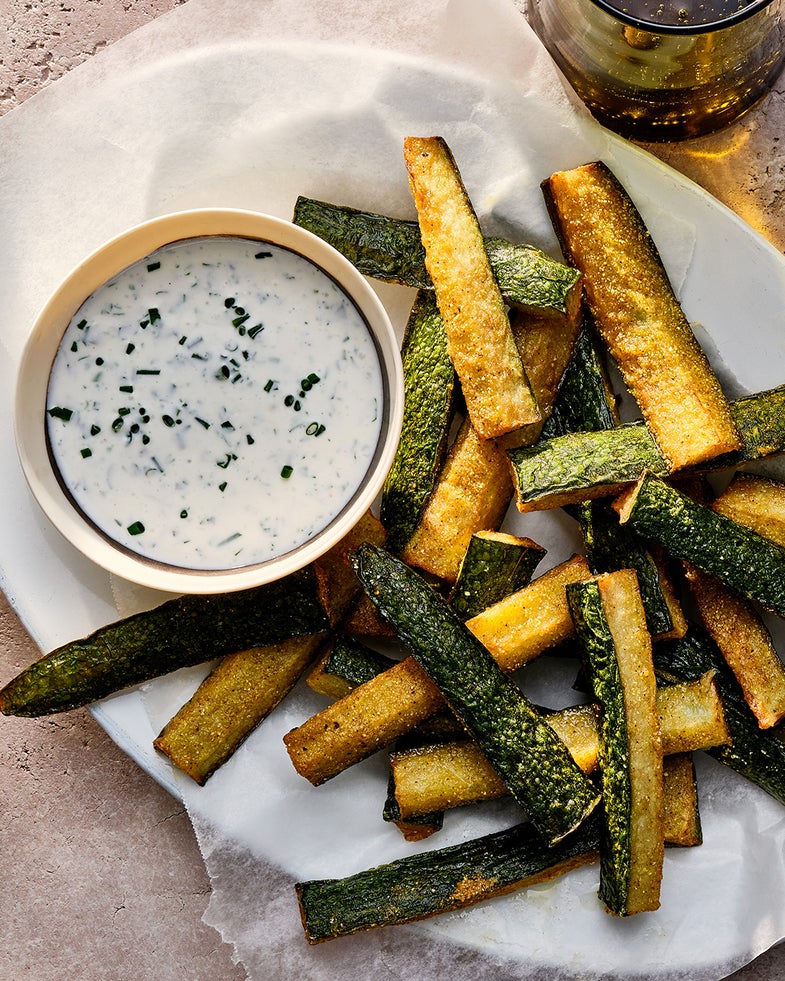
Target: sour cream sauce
x,y
216,404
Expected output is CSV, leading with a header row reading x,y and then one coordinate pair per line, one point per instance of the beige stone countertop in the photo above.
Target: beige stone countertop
x,y
101,875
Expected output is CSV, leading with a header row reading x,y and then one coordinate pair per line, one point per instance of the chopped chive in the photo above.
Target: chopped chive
x,y
167,420
183,339
148,371
255,330
127,388
225,371
289,400
125,411
231,538
74,347
227,425
81,325
136,528
297,405
222,487
152,266
58,412
184,513
99,362
269,386
199,357
287,471
229,302
154,315
145,439
130,348
313,379
95,430
249,439
239,321
117,425
135,427
144,323
86,452
263,255
202,422
240,311
314,429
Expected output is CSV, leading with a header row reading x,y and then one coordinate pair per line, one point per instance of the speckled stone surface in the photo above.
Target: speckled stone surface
x,y
101,876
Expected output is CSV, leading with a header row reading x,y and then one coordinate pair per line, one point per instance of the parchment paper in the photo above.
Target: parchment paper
x,y
249,104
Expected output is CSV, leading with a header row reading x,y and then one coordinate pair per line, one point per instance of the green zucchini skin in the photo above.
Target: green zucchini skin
x,y
593,463
592,628
354,662
755,753
451,878
534,763
430,395
492,569
739,557
600,463
585,402
179,633
611,546
391,249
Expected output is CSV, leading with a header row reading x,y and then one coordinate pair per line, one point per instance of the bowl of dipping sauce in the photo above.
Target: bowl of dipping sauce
x,y
209,402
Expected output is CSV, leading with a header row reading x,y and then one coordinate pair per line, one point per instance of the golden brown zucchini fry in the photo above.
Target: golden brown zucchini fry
x,y
757,502
682,817
638,316
472,494
236,696
498,396
744,641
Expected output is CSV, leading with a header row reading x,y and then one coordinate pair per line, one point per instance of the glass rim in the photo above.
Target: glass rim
x,y
682,29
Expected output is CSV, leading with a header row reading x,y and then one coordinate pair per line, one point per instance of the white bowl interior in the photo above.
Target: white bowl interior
x,y
42,346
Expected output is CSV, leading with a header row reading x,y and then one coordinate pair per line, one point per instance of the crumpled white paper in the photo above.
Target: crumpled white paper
x,y
249,104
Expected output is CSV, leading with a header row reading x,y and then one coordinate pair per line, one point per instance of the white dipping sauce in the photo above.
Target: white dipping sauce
x,y
216,404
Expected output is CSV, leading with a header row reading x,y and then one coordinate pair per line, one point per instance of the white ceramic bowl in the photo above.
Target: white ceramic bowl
x,y
44,341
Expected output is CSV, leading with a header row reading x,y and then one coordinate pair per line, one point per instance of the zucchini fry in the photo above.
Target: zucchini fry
x,y
756,502
682,815
179,633
574,466
745,643
419,886
611,626
429,404
498,396
237,695
638,316
744,560
494,566
472,494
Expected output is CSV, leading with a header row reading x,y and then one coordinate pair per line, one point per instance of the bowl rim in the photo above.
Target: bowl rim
x,y
117,253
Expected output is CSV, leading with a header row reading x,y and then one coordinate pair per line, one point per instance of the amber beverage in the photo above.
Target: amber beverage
x,y
660,69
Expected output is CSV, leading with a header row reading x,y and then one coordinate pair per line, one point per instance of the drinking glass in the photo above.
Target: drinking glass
x,y
664,69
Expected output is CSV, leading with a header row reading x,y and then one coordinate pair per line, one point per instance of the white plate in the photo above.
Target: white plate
x,y
336,134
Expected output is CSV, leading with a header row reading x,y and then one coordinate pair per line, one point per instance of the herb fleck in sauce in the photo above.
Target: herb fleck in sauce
x,y
215,405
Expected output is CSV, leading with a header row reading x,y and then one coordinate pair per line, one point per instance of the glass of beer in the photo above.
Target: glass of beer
x,y
664,69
